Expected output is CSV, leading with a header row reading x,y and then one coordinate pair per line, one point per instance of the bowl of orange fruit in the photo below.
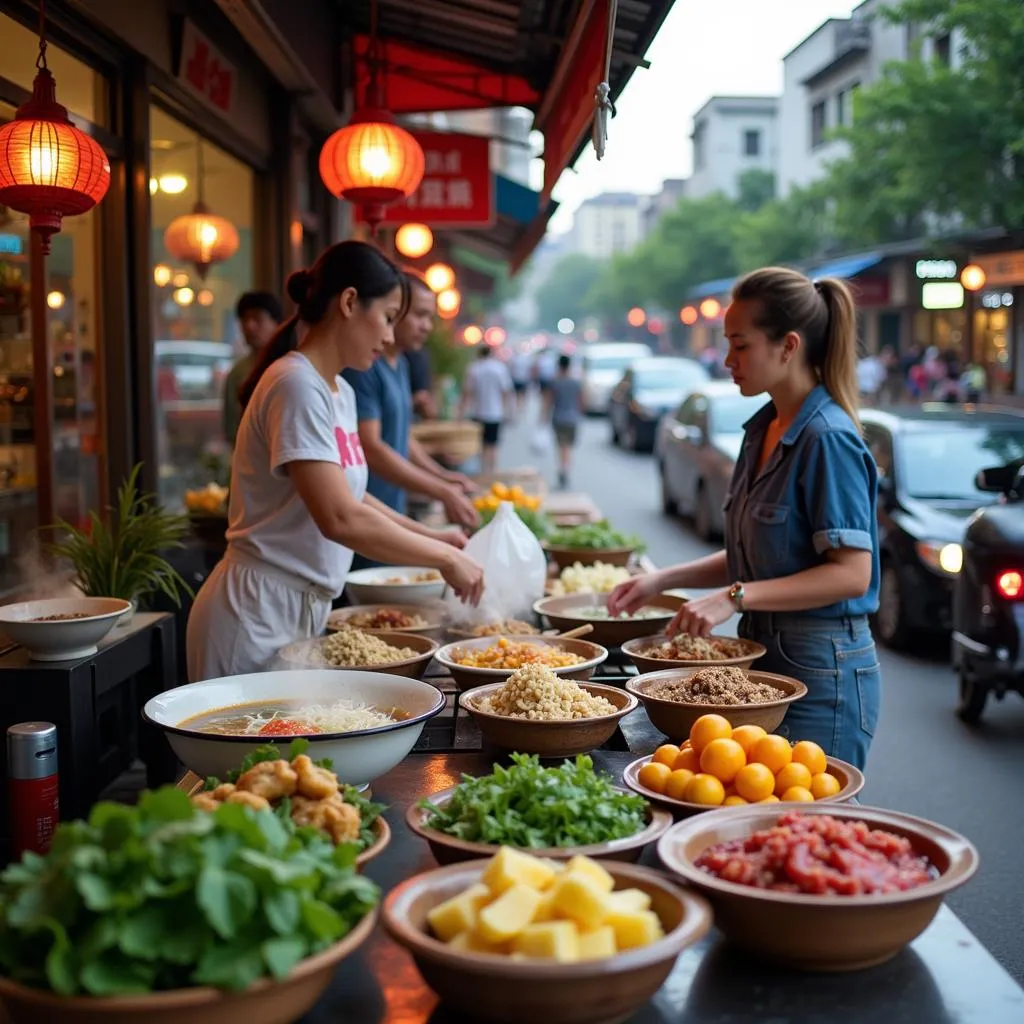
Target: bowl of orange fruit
x,y
722,766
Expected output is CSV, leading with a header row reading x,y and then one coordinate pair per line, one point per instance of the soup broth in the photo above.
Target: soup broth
x,y
291,718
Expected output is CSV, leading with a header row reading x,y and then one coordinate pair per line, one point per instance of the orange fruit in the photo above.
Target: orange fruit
x,y
723,759
734,801
792,775
798,794
705,789
654,776
666,754
754,782
823,785
687,759
677,782
747,735
708,728
685,745
771,799
773,751
810,754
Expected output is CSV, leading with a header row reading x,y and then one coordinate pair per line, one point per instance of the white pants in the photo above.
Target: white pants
x,y
245,613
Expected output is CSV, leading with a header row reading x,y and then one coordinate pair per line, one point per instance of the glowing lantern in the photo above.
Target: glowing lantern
x,y
495,336
688,315
414,240
472,335
162,275
710,309
439,277
49,169
636,317
184,296
448,303
55,300
972,277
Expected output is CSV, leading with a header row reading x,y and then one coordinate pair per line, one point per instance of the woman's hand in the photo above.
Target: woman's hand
x,y
631,595
459,509
465,576
701,615
450,535
461,481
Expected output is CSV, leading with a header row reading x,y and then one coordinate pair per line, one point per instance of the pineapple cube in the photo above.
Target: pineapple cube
x,y
509,914
552,940
626,900
598,944
458,914
636,928
578,898
580,865
546,908
509,867
471,942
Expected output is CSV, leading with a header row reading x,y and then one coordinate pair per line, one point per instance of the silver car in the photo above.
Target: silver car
x,y
602,367
696,448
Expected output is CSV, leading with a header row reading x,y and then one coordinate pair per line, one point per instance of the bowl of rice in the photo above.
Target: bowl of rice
x,y
397,654
535,711
675,698
572,610
653,653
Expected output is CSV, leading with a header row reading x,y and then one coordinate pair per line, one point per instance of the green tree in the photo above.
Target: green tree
x,y
562,294
784,230
755,188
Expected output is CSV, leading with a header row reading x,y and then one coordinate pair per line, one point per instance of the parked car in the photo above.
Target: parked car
x,y
697,446
928,459
601,368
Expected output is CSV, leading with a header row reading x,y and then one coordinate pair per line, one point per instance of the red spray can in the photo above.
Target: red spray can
x,y
32,775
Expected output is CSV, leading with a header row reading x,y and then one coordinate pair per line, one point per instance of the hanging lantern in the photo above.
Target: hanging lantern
x,y
414,240
439,277
448,303
49,169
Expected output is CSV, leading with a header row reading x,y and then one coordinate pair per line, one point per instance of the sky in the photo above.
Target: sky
x,y
705,48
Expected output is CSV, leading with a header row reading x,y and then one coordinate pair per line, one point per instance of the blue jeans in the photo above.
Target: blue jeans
x,y
837,661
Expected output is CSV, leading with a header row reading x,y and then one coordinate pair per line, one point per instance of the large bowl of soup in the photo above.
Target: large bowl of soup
x,y
365,722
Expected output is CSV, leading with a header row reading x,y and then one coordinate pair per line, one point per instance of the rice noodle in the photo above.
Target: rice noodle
x,y
342,716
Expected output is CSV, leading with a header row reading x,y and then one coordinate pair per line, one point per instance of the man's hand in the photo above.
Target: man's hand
x,y
463,482
451,535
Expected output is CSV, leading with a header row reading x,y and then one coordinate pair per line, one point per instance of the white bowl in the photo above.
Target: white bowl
x,y
367,586
63,639
359,757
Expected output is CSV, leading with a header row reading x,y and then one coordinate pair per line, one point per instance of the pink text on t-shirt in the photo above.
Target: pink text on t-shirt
x,y
350,448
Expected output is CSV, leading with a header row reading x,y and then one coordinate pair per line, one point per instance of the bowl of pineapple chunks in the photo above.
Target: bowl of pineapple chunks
x,y
521,938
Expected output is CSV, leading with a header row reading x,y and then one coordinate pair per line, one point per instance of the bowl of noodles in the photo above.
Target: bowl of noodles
x,y
653,653
365,722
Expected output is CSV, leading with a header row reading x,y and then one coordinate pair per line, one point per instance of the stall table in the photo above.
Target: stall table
x,y
945,977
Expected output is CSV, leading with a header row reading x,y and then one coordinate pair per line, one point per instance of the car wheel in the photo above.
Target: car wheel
x,y
973,696
702,514
890,620
668,503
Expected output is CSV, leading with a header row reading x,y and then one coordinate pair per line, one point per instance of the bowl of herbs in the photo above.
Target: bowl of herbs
x,y
592,542
557,812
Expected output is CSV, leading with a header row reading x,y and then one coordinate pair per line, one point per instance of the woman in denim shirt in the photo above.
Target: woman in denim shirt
x,y
801,543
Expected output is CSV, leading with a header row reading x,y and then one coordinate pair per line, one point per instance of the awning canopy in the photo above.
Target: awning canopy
x,y
847,266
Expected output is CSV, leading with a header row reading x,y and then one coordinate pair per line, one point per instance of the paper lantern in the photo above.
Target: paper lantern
x,y
414,240
448,303
439,277
201,238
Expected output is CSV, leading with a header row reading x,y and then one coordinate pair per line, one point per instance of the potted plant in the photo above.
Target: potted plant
x,y
121,554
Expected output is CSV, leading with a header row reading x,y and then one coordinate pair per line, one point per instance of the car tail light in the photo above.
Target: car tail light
x,y
1010,584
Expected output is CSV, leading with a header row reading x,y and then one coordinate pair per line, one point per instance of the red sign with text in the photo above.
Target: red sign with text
x,y
457,190
204,70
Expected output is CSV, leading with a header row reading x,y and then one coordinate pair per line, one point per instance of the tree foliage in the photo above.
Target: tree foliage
x,y
561,294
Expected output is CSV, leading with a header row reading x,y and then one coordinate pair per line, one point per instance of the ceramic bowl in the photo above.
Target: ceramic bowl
x,y
302,655
563,557
563,613
433,615
674,718
466,677
851,781
634,650
62,639
548,739
451,850
265,1002
372,586
500,990
819,933
359,757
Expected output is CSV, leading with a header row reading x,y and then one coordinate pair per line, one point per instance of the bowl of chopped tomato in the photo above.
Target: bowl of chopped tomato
x,y
835,888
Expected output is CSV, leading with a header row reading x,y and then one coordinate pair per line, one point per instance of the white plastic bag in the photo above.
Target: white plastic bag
x,y
515,568
542,440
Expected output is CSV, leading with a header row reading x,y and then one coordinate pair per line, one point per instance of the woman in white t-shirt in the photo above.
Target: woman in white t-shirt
x,y
298,506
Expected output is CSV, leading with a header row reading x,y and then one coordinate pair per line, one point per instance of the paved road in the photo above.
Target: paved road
x,y
923,761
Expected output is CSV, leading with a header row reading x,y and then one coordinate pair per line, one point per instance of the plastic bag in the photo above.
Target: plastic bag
x,y
542,440
515,568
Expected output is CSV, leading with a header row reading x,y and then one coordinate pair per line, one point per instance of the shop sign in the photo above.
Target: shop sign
x,y
204,70
871,291
937,270
1002,268
457,190
997,300
942,295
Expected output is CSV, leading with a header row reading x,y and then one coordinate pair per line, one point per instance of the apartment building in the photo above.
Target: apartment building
x,y
731,135
672,191
608,224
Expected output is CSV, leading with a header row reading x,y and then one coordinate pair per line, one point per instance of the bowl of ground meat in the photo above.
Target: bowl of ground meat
x,y
819,888
421,619
571,610
61,629
675,698
651,653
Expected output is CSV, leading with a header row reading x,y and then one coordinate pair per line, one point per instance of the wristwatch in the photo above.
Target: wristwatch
x,y
736,596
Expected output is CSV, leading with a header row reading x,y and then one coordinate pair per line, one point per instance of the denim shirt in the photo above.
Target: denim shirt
x,y
816,492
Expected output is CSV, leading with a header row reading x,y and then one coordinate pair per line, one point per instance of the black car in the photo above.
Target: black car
x,y
928,459
649,389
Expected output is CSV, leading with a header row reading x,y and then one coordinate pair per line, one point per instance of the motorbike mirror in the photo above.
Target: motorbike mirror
x,y
998,479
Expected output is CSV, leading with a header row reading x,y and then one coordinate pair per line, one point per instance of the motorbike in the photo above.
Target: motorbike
x,y
988,600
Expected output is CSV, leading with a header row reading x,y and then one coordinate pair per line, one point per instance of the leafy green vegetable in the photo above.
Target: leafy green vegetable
x,y
537,522
164,896
597,536
532,807
369,811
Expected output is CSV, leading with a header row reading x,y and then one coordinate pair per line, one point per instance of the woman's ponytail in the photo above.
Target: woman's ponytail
x,y
839,368
284,340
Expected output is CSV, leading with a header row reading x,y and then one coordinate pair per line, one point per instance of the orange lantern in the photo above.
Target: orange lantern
x,y
710,309
472,335
688,315
49,169
973,277
636,317
439,277
414,240
449,302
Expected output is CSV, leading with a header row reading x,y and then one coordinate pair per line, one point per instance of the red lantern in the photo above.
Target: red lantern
x,y
49,169
201,238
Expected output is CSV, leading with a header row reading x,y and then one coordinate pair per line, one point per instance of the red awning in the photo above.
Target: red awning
x,y
417,80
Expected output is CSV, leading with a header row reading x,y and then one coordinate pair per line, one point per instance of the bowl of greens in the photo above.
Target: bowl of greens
x,y
168,914
591,542
558,812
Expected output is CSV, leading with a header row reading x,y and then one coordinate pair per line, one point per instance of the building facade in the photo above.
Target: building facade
x,y
607,224
732,135
672,191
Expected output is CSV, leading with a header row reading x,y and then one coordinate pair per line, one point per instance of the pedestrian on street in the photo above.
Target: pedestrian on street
x,y
486,395
800,563
521,367
564,405
259,314
298,507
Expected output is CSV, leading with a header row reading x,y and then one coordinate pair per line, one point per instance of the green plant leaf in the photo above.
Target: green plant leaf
x,y
227,898
282,954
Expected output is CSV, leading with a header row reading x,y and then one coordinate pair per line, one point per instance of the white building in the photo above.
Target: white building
x,y
672,191
608,224
732,134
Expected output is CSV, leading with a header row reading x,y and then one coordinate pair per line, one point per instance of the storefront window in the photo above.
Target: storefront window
x,y
945,329
993,324
196,334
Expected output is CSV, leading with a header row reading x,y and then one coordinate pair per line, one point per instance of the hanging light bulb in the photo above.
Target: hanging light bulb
x,y
184,296
55,300
439,277
414,240
162,275
448,303
172,184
